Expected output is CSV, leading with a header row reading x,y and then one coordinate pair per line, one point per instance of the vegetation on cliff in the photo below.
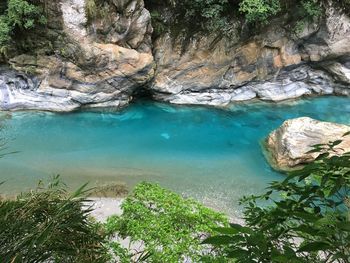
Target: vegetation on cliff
x,y
16,16
221,15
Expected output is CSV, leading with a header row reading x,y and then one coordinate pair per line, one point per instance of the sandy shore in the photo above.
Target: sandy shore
x,y
106,206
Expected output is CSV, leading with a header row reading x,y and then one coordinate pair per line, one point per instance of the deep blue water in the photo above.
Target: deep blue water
x,y
213,155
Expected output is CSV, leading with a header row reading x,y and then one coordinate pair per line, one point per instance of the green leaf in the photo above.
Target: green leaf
x,y
322,156
280,258
346,134
239,254
305,229
80,191
218,240
226,230
314,246
344,226
306,216
317,150
337,142
241,229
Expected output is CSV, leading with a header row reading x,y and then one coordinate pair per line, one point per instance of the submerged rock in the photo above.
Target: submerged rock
x,y
289,145
116,190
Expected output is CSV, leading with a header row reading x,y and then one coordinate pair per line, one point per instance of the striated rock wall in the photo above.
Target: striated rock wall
x,y
86,69
102,61
275,65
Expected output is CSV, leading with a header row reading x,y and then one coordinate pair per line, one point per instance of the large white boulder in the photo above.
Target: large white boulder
x,y
289,145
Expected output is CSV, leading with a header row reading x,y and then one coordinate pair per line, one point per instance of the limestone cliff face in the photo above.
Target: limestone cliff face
x,y
98,63
103,61
274,65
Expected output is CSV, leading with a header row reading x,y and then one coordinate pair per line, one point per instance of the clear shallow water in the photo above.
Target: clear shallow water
x,y
210,154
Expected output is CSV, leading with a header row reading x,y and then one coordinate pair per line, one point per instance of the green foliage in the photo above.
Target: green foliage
x,y
19,15
91,8
5,31
211,13
168,227
48,225
259,10
203,15
157,23
312,8
222,15
309,11
96,9
307,221
24,15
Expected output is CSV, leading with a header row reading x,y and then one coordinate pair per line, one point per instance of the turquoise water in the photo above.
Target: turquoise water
x,y
213,155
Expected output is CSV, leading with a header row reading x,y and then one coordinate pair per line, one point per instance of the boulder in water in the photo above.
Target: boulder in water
x,y
289,144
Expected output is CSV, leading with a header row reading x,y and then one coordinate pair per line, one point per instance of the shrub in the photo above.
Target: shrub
x,y
307,221
96,9
193,15
19,15
259,10
168,227
308,11
49,225
24,15
203,8
5,31
312,8
91,8
158,23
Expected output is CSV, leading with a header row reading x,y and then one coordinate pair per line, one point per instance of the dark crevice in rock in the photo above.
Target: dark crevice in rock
x,y
142,93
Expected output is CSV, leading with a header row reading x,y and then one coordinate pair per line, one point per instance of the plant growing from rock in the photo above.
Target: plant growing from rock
x,y
259,10
18,15
190,15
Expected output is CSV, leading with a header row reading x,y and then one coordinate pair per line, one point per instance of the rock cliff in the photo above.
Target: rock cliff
x,y
290,144
96,63
103,60
275,65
